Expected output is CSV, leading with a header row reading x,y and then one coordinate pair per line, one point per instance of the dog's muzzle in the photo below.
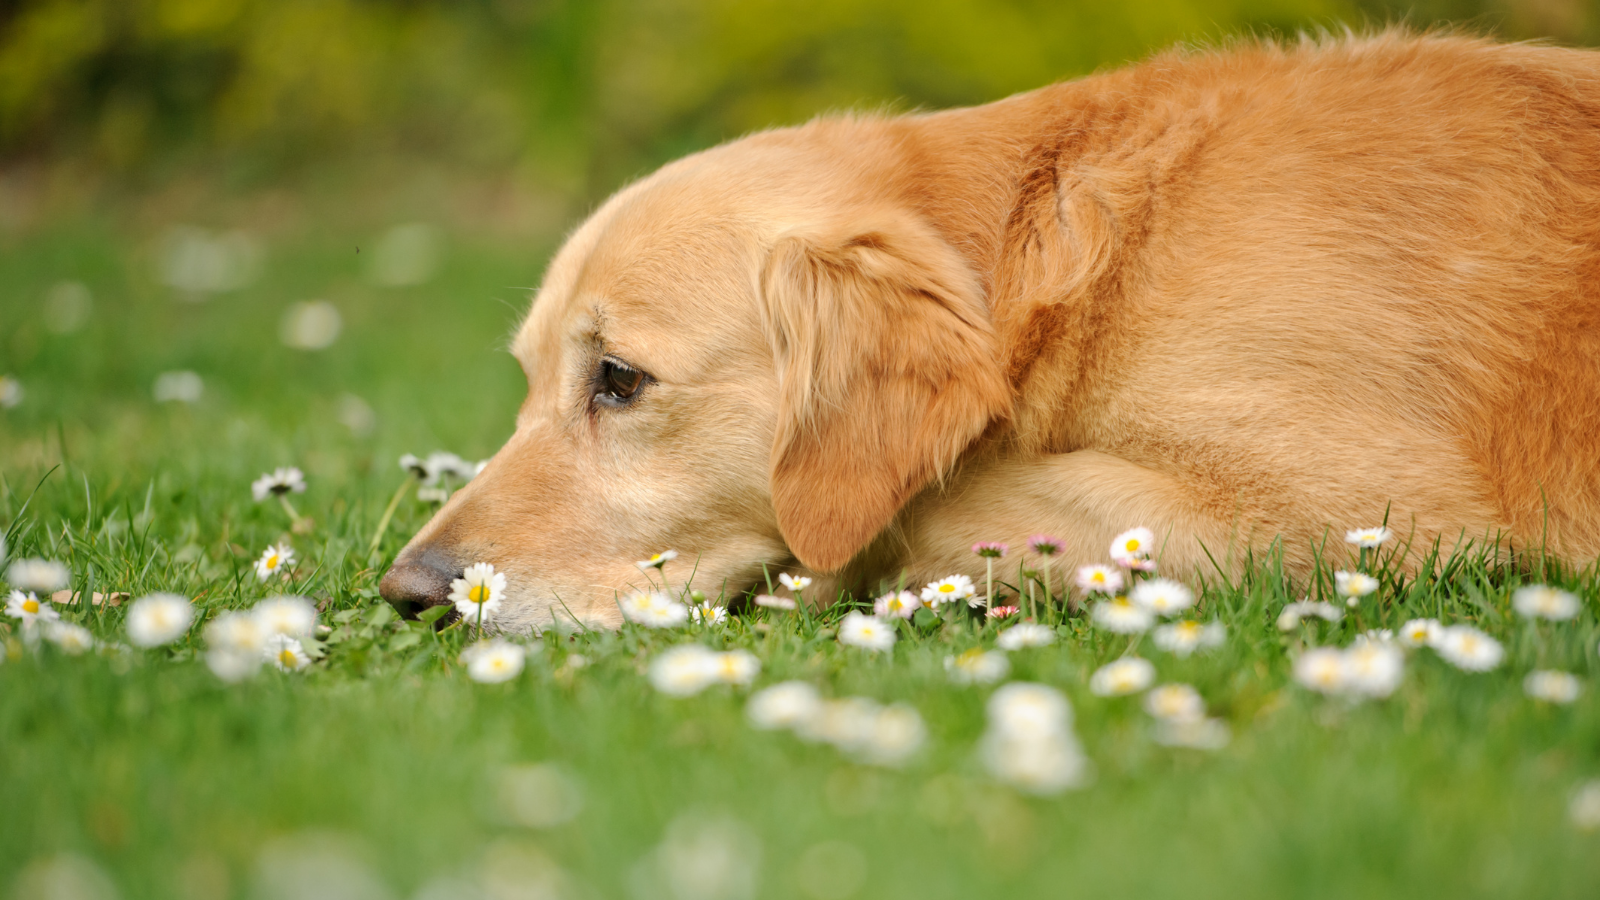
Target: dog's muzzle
x,y
418,580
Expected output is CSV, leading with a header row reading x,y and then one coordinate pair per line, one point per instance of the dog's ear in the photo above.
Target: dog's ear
x,y
888,370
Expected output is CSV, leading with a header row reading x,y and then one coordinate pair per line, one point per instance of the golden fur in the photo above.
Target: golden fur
x,y
1245,296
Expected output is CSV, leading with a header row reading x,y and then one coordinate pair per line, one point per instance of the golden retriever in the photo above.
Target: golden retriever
x,y
1240,297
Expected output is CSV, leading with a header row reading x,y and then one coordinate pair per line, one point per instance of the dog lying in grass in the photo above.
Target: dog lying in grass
x,y
1246,298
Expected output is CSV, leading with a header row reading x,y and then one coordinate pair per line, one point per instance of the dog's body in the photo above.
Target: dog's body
x,y
1243,297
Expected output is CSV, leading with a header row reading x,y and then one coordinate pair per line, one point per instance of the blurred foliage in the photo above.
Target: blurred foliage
x,y
573,96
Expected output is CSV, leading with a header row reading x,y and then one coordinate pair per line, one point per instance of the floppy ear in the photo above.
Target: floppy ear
x,y
888,371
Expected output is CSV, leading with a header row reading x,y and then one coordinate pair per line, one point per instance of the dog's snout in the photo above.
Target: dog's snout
x,y
417,581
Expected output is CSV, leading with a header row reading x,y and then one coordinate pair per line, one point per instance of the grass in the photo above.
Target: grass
x,y
380,768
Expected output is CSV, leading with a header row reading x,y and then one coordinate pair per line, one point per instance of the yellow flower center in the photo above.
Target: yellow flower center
x,y
479,593
1098,578
1189,629
30,606
286,658
272,562
947,588
1132,546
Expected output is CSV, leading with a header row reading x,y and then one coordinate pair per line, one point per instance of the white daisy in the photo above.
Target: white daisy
x,y
1025,635
41,576
237,644
1131,548
846,723
1100,579
1468,648
796,583
433,494
1128,675
1027,710
1183,638
278,482
277,559
1368,537
286,653
232,666
684,671
784,705
896,603
1046,765
288,616
1419,632
1352,586
158,619
1374,636
708,613
1373,668
735,667
1199,734
11,392
1537,601
892,736
1162,596
1552,687
1294,612
653,609
477,593
866,632
29,608
977,666
956,587
1585,807
657,561
774,602
493,661
1176,702
1321,669
73,640
1119,614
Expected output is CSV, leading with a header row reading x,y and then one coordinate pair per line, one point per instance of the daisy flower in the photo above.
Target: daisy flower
x,y
286,653
892,736
1468,648
11,392
1537,601
477,593
977,666
1043,766
1046,545
866,632
796,583
236,645
1368,538
158,619
956,587
708,613
784,705
1419,632
1294,612
846,723
1131,549
38,575
653,609
1585,808
1025,635
29,608
288,616
432,494
1321,669
1375,636
1198,734
1352,586
897,603
1162,596
658,560
1003,612
1099,579
275,560
1128,675
735,667
278,483
1373,668
684,671
1175,702
1183,638
1119,614
771,602
72,639
990,550
1552,687
493,661
1027,710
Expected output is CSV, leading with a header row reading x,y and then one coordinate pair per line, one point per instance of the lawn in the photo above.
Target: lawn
x,y
383,770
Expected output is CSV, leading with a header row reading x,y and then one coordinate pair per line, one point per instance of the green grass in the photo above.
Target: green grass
x,y
178,786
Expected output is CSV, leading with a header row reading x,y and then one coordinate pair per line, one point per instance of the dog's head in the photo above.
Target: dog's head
x,y
754,357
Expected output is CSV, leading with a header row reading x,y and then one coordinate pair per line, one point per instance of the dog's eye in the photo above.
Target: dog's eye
x,y
618,383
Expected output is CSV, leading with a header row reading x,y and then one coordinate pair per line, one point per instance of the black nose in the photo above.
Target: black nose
x,y
418,580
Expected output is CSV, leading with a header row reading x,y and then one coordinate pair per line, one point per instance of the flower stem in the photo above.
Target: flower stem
x,y
388,513
988,586
294,517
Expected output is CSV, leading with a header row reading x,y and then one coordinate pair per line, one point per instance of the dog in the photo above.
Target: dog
x,y
1247,297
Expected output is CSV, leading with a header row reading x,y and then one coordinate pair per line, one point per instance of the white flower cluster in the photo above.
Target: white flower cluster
x,y
977,666
858,726
1029,742
1294,613
1368,668
37,575
1136,611
687,670
1181,719
238,643
435,471
653,609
